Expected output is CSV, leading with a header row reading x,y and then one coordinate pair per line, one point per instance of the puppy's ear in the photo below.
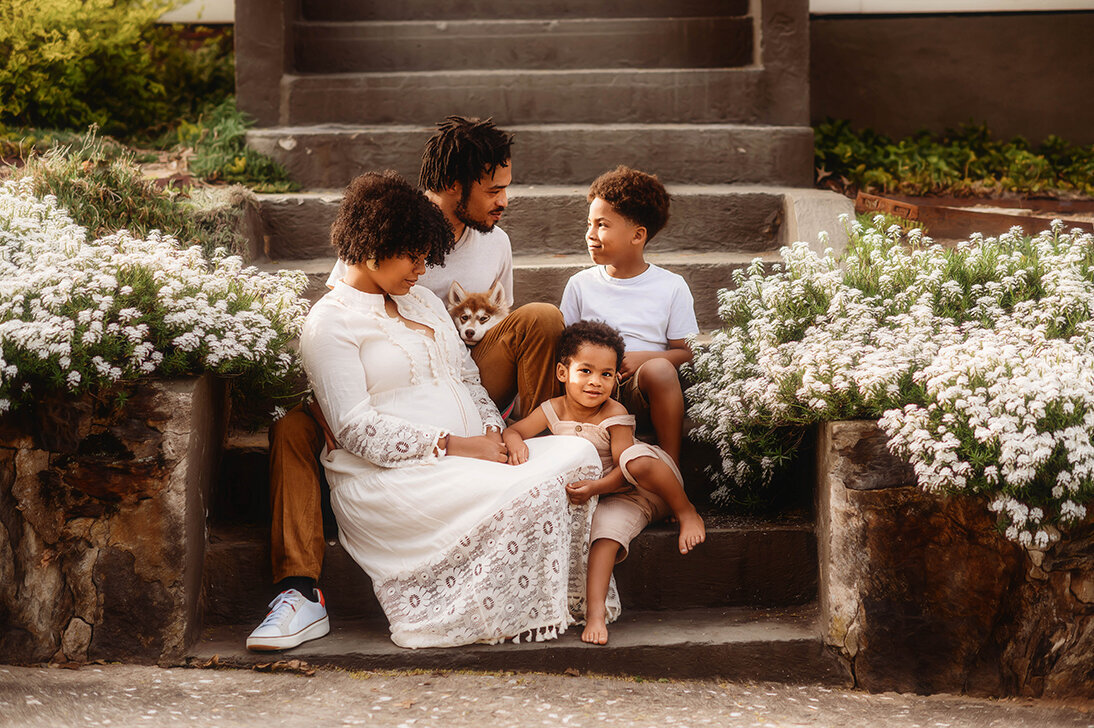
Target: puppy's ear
x,y
497,294
456,294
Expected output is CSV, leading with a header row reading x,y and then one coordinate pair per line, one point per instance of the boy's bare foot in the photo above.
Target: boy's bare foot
x,y
596,630
692,530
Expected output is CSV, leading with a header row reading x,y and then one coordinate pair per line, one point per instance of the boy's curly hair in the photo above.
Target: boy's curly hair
x,y
463,150
596,333
637,196
384,216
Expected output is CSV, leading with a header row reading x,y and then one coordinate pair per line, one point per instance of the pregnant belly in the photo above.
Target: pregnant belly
x,y
446,404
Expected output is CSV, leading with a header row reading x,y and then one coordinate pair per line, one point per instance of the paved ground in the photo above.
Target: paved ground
x,y
124,695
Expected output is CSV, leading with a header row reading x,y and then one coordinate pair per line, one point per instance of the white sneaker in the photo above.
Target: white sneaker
x,y
293,618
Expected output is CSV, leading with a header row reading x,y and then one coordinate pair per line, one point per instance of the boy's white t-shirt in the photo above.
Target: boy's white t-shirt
x,y
648,310
477,260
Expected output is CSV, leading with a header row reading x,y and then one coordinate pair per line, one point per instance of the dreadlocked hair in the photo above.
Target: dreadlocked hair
x,y
594,333
463,150
384,216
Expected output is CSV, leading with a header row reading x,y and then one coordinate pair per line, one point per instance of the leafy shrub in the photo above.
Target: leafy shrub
x,y
102,189
220,152
978,362
67,64
196,66
79,314
964,163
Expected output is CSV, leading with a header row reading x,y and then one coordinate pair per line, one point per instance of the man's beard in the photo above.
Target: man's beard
x,y
465,217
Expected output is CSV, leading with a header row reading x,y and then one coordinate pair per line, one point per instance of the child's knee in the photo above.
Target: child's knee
x,y
658,375
641,468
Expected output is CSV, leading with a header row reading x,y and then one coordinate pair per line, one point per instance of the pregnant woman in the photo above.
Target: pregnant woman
x,y
461,547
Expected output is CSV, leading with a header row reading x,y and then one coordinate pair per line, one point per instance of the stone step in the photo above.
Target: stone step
x,y
349,10
543,277
349,47
779,645
242,496
329,156
602,96
744,562
551,220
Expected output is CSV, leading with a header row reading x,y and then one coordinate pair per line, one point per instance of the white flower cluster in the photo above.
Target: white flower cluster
x,y
76,313
978,362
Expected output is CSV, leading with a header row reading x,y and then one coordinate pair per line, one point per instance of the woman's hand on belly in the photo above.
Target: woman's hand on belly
x,y
480,447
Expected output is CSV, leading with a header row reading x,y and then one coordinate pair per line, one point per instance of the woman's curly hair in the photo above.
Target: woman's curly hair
x,y
596,333
384,216
637,196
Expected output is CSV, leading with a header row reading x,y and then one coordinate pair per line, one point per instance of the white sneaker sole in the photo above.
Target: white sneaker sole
x,y
315,630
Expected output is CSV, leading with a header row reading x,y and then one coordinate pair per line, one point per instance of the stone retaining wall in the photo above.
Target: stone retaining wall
x,y
921,593
102,523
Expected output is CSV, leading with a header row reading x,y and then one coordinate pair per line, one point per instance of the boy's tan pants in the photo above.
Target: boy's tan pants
x,y
516,358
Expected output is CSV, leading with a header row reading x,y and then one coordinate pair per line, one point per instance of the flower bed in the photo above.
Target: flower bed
x,y
80,315
977,361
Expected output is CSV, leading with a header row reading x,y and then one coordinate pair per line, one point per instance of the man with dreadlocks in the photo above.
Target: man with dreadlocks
x,y
466,172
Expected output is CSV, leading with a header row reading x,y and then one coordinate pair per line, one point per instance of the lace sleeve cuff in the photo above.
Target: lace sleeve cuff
x,y
391,443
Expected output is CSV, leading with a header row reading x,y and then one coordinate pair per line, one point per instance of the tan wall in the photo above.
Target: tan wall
x,y
1029,74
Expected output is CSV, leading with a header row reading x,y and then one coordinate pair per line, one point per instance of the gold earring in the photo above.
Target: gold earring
x,y
372,265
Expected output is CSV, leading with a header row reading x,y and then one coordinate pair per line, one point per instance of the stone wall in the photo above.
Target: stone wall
x,y
102,523
921,593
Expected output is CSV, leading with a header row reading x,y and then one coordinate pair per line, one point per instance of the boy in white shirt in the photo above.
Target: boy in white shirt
x,y
651,307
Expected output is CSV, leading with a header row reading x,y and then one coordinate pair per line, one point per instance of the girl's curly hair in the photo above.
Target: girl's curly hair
x,y
384,216
596,333
637,196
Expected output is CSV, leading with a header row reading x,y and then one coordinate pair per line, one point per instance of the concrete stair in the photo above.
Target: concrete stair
x,y
330,155
543,277
576,43
434,10
742,644
599,96
712,96
550,220
746,562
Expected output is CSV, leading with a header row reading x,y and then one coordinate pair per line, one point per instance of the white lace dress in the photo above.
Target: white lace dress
x,y
459,550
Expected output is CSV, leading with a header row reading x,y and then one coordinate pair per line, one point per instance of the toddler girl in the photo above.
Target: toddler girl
x,y
645,487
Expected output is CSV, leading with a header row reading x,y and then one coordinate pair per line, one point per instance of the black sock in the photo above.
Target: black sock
x,y
302,584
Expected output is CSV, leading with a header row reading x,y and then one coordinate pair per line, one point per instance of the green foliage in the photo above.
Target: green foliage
x,y
221,154
67,64
196,67
103,190
965,162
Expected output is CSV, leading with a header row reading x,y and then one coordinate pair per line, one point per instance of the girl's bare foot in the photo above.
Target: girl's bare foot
x,y
692,530
596,630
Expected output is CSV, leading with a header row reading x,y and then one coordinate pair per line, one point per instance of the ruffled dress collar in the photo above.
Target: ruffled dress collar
x,y
361,299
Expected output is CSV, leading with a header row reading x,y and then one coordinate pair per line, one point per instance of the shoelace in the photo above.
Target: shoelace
x,y
277,608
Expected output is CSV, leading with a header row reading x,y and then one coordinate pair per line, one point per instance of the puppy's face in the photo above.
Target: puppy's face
x,y
475,313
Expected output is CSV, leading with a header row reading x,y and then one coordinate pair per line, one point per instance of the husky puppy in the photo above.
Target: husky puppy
x,y
475,313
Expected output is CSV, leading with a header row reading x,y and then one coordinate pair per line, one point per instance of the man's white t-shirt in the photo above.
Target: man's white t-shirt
x,y
649,309
477,260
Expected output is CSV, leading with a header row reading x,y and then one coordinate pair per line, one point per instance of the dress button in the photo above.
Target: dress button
x,y
577,428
